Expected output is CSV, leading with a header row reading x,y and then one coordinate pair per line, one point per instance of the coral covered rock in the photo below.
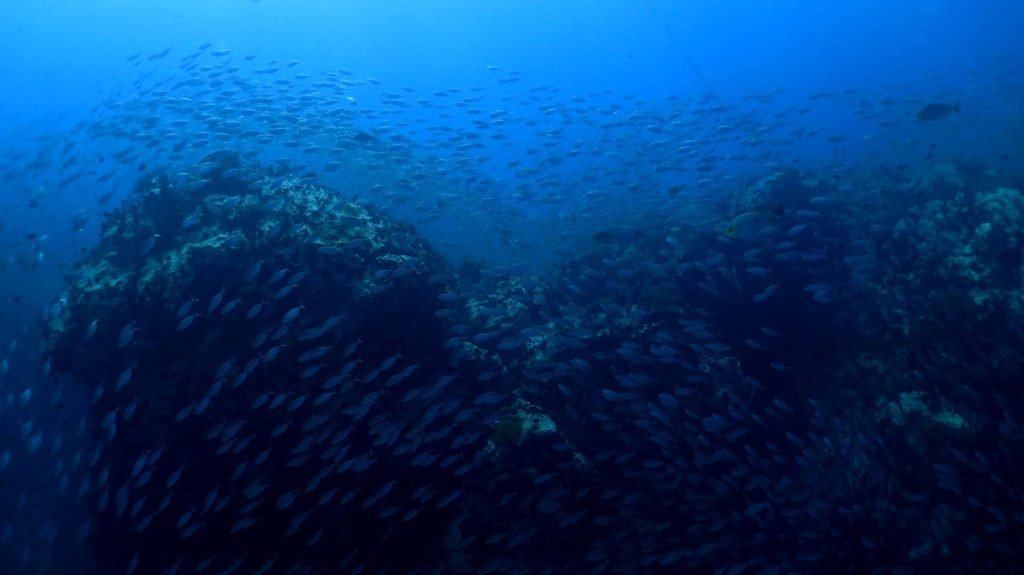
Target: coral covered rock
x,y
252,339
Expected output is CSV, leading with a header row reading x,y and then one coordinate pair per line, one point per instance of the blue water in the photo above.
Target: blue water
x,y
758,263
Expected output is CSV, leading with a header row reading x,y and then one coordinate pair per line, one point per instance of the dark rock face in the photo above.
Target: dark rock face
x,y
284,381
249,339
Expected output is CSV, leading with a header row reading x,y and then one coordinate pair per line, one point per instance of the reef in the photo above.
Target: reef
x,y
221,305
281,376
956,267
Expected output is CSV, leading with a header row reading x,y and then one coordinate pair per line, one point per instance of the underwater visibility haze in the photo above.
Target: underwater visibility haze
x,y
439,287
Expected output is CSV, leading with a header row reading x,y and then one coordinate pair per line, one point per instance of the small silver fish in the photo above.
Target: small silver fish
x,y
126,335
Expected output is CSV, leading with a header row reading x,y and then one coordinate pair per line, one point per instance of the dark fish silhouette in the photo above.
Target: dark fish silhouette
x,y
159,55
936,111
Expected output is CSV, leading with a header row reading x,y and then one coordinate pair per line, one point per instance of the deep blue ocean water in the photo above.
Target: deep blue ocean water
x,y
511,287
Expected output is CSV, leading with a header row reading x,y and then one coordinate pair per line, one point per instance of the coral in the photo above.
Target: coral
x,y
522,421
970,242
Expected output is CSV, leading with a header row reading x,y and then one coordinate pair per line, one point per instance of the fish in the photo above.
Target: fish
x,y
254,310
765,294
936,111
749,225
193,219
173,478
159,55
312,333
147,246
284,291
125,377
126,335
215,301
230,306
488,398
291,314
315,353
444,501
184,308
254,271
242,523
186,322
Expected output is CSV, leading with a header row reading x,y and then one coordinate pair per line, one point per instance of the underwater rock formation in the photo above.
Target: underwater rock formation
x,y
954,268
265,359
284,380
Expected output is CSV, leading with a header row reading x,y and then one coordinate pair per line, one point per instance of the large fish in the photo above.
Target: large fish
x,y
937,111
748,226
